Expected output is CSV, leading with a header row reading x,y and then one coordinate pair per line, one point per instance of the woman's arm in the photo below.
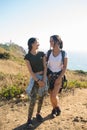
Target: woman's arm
x,y
45,69
30,70
64,67
41,83
63,72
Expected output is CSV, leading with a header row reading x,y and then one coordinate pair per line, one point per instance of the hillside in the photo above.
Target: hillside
x,y
14,50
12,66
13,113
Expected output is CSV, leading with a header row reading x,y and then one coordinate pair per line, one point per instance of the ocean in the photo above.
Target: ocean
x,y
77,61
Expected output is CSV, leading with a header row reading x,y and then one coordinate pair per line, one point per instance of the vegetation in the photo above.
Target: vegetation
x,y
4,55
12,47
80,72
77,84
19,82
14,75
77,79
12,51
10,92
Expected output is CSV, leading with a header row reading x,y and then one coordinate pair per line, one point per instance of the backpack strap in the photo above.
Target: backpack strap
x,y
48,54
63,55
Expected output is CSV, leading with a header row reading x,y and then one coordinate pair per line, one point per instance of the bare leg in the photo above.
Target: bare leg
x,y
54,95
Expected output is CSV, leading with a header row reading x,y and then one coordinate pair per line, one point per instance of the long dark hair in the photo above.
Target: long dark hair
x,y
30,42
58,40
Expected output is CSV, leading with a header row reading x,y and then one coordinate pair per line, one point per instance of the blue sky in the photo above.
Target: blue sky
x,y
22,19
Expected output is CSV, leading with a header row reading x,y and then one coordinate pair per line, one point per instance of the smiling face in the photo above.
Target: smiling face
x,y
55,39
56,46
54,43
35,45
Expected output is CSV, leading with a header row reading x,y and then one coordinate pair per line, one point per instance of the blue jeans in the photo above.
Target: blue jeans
x,y
41,90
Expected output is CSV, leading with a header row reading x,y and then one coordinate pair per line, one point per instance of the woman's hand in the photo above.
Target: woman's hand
x,y
41,83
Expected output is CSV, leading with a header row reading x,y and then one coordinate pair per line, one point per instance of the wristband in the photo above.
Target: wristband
x,y
38,80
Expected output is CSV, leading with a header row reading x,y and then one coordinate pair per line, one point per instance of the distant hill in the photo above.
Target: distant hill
x,y
11,50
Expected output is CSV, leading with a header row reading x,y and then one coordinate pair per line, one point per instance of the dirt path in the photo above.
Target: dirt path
x,y
13,116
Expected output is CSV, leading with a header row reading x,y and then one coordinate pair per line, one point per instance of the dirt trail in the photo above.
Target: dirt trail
x,y
13,116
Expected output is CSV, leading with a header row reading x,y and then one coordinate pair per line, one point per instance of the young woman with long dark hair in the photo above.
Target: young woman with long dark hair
x,y
36,63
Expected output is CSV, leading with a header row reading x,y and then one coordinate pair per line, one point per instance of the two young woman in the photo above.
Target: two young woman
x,y
36,63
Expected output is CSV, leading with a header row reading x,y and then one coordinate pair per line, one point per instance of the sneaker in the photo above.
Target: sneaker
x,y
54,113
30,124
39,118
58,111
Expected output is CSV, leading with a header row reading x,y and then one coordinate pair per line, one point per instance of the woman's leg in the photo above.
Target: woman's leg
x,y
51,99
54,96
32,101
40,102
31,107
38,115
55,100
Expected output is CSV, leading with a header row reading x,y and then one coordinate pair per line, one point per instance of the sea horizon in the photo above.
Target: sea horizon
x,y
77,61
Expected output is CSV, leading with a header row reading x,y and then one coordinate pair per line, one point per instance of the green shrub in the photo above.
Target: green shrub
x,y
2,75
81,72
11,92
77,84
4,55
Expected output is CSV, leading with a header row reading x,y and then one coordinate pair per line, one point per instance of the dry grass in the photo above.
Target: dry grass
x,y
2,50
13,73
74,75
12,67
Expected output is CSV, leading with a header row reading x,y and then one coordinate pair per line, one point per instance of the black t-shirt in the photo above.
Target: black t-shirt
x,y
36,61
